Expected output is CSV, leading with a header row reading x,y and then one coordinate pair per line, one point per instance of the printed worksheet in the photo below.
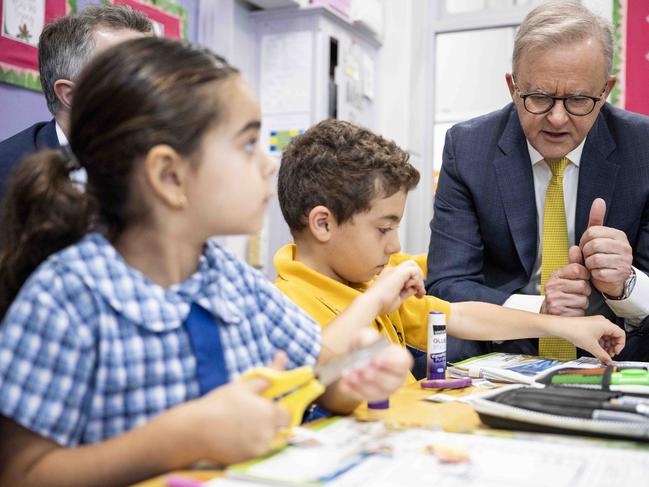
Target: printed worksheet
x,y
347,453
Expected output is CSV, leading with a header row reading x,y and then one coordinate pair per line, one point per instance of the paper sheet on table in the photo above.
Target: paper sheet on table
x,y
347,453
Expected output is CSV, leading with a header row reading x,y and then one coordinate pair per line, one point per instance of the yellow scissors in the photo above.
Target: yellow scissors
x,y
296,389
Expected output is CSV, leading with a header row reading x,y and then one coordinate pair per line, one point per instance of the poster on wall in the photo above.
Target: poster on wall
x,y
21,23
631,57
169,19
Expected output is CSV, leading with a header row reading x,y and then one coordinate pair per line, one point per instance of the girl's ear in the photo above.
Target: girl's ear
x,y
321,223
166,172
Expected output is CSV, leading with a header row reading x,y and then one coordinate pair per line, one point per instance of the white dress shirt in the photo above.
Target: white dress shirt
x,y
634,309
79,176
63,140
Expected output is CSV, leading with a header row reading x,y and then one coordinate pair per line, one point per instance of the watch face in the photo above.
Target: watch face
x,y
629,284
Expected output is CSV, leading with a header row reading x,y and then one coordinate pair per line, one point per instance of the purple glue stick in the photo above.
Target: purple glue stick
x,y
436,356
379,404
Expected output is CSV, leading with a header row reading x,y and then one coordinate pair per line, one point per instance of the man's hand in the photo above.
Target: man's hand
x,y
567,290
607,253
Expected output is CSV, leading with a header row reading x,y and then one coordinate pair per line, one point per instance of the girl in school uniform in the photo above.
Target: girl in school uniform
x,y
124,325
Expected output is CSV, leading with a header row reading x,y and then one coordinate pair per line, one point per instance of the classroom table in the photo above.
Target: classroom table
x,y
407,408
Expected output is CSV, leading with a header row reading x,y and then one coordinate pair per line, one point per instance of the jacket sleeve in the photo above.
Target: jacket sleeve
x,y
456,250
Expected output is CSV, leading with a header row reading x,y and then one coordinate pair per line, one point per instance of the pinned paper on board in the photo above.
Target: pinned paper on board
x,y
23,20
279,139
368,76
286,72
21,23
279,129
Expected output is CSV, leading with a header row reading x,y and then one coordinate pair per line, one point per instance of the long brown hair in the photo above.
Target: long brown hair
x,y
134,96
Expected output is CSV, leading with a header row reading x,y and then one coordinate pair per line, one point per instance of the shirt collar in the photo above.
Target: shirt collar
x,y
135,296
63,140
574,155
326,289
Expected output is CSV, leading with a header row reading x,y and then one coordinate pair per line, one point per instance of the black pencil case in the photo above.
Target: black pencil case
x,y
568,409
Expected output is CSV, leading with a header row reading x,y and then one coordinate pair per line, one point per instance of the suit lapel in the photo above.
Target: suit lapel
x,y
516,185
597,175
46,137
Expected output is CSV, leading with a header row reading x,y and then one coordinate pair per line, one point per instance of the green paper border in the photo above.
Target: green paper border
x,y
175,9
25,78
28,78
617,20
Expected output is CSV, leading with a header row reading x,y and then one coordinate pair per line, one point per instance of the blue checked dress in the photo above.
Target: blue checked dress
x,y
92,348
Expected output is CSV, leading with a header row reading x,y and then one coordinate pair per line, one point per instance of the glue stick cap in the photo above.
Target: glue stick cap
x,y
379,404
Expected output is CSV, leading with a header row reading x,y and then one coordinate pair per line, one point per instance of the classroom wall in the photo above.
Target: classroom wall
x,y
405,81
20,108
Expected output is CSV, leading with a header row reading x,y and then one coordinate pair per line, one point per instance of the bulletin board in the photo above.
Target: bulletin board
x,y
169,19
21,23
631,57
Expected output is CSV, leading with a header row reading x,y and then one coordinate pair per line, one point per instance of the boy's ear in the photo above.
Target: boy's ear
x,y
166,173
321,222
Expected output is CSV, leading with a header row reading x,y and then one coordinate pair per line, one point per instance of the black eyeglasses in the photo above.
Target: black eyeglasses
x,y
539,103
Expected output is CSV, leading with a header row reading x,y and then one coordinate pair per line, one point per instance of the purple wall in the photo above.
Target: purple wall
x,y
20,108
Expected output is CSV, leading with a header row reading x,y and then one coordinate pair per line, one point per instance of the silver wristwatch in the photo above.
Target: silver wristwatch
x,y
629,284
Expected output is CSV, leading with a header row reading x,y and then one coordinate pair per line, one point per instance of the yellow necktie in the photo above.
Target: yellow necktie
x,y
555,252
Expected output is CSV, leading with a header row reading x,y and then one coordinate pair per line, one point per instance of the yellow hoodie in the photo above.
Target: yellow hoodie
x,y
324,298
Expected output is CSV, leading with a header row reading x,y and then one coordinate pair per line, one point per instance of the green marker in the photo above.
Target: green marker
x,y
636,377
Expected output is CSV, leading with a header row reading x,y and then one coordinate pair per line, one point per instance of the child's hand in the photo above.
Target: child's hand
x,y
234,423
594,334
395,284
382,376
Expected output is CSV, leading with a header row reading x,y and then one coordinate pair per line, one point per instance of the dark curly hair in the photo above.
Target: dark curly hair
x,y
343,167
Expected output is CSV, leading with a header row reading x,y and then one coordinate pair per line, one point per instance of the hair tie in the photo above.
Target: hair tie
x,y
71,161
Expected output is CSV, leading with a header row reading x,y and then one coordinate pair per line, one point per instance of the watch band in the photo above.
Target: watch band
x,y
629,284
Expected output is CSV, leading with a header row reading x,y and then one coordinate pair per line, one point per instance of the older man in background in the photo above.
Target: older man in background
x,y
65,46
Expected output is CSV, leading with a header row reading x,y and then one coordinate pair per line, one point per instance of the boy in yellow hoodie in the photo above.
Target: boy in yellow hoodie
x,y
342,191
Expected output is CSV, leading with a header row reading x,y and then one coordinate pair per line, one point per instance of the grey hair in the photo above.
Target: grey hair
x,y
558,23
67,44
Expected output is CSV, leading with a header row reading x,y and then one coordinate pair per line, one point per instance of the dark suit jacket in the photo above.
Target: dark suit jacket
x,y
484,229
39,136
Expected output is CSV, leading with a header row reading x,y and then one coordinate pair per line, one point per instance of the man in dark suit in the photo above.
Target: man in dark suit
x,y
65,46
41,135
557,150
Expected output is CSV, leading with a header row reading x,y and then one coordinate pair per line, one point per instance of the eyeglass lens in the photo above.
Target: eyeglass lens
x,y
577,105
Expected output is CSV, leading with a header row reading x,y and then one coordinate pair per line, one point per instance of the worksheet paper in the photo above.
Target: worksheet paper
x,y
347,453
